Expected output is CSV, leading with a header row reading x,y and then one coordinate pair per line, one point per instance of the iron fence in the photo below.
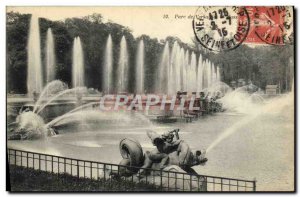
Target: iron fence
x,y
106,172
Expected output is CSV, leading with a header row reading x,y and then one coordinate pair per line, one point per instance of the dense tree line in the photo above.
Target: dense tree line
x,y
262,65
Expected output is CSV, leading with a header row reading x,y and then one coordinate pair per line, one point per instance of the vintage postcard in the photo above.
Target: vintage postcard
x,y
155,99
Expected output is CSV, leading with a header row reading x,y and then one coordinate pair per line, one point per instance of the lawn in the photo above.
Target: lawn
x,y
28,179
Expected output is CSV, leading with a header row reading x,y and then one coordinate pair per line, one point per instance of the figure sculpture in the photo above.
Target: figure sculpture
x,y
167,152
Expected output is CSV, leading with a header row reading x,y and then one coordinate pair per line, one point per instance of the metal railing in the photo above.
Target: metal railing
x,y
106,172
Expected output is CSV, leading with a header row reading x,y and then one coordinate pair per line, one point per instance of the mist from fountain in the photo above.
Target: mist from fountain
x,y
34,65
83,107
85,116
50,57
140,70
241,102
122,75
78,64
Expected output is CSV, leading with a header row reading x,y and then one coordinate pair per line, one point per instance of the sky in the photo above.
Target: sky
x,y
141,20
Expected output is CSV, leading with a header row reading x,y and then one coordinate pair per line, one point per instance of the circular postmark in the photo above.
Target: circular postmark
x,y
221,28
273,24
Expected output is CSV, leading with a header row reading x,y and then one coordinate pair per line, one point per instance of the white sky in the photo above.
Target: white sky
x,y
141,20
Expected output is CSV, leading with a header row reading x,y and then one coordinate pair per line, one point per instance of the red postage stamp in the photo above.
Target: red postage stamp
x,y
270,25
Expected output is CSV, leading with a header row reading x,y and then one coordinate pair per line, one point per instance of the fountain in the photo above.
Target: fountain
x,y
107,67
34,65
200,74
78,64
194,72
140,70
122,75
182,71
50,56
171,69
241,102
185,70
213,73
163,71
51,89
191,74
218,74
177,66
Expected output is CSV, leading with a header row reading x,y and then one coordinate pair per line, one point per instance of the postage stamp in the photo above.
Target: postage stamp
x,y
271,25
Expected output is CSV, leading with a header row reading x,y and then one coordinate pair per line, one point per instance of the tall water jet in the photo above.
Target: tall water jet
x,y
218,74
163,71
186,66
107,67
50,56
182,70
122,75
209,74
177,78
78,65
139,71
34,65
192,84
214,74
205,74
172,70
200,74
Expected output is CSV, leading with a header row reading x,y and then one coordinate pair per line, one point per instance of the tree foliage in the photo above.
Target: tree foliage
x,y
262,65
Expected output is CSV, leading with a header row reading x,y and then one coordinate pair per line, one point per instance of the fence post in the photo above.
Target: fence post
x,y
15,157
191,183
33,161
104,170
168,180
46,162
91,171
175,181
98,171
52,164
221,184
77,169
72,167
84,169
58,165
254,185
161,185
39,161
26,159
65,165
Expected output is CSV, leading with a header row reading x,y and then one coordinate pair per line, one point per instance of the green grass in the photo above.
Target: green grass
x,y
28,179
